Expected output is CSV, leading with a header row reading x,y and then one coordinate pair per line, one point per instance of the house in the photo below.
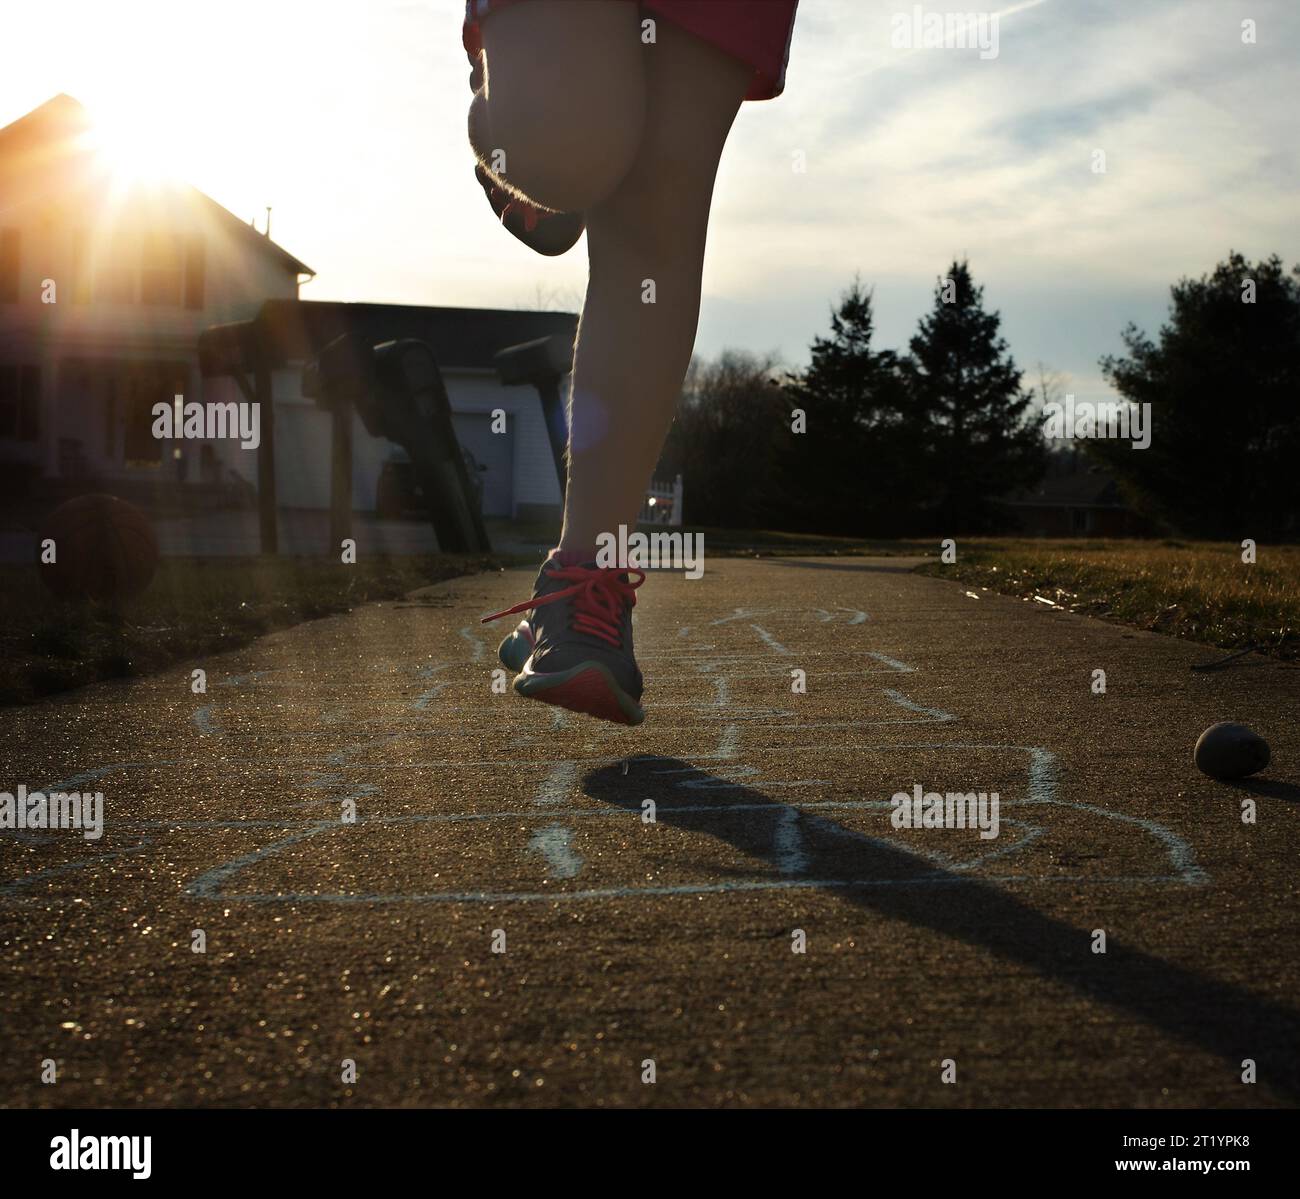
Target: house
x,y
105,288
1075,500
514,456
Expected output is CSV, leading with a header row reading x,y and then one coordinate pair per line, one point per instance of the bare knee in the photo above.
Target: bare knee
x,y
569,154
564,102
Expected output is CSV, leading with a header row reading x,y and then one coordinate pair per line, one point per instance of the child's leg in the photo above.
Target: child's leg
x,y
631,355
563,98
633,142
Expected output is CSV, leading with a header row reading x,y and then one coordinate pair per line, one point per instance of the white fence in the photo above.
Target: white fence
x,y
663,503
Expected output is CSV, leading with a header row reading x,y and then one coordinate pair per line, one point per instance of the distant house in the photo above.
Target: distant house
x,y
103,296
517,467
1075,500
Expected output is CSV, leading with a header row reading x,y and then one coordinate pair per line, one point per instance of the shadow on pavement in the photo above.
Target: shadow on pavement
x,y
891,882
1270,788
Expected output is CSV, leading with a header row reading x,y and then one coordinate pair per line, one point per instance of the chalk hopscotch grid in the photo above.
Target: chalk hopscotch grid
x,y
553,842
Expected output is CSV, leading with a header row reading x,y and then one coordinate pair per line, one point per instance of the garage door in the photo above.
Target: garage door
x,y
496,451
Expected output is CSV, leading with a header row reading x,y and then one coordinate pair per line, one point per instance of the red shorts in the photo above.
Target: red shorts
x,y
755,31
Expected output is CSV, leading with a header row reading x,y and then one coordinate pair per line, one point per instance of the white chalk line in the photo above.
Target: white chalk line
x,y
554,844
208,885
427,672
743,614
525,814
712,782
789,846
1042,771
705,710
14,888
1042,775
935,714
727,747
559,784
73,782
773,672
476,643
787,842
692,889
856,616
771,642
895,666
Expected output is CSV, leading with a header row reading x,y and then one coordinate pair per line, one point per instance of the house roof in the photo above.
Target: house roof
x,y
54,135
465,338
460,338
54,130
1078,489
239,229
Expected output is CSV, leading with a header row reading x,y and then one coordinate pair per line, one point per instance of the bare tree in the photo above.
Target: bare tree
x,y
551,298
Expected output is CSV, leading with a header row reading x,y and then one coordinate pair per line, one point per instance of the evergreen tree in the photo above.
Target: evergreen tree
x,y
848,471
1222,382
965,388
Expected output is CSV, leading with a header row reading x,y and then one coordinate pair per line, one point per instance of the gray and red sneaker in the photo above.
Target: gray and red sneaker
x,y
540,229
575,649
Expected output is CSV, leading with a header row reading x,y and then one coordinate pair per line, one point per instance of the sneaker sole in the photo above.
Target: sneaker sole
x,y
588,688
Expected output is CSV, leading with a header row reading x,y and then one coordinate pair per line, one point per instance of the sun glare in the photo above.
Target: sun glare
x,y
131,152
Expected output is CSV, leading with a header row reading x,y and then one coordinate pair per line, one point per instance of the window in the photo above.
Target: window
x,y
9,260
161,269
115,273
138,388
20,402
162,266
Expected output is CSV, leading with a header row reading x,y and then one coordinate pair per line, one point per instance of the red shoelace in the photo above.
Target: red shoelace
x,y
532,216
504,205
599,597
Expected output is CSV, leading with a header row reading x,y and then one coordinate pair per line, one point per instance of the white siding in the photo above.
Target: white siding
x,y
535,481
302,441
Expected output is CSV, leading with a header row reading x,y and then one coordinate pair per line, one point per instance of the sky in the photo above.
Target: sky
x,y
348,118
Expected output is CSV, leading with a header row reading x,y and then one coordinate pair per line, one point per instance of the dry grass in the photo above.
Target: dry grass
x,y
193,607
1199,590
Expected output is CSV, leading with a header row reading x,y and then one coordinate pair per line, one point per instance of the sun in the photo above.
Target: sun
x,y
133,148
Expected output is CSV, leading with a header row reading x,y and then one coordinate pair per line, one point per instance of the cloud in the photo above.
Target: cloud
x,y
914,158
